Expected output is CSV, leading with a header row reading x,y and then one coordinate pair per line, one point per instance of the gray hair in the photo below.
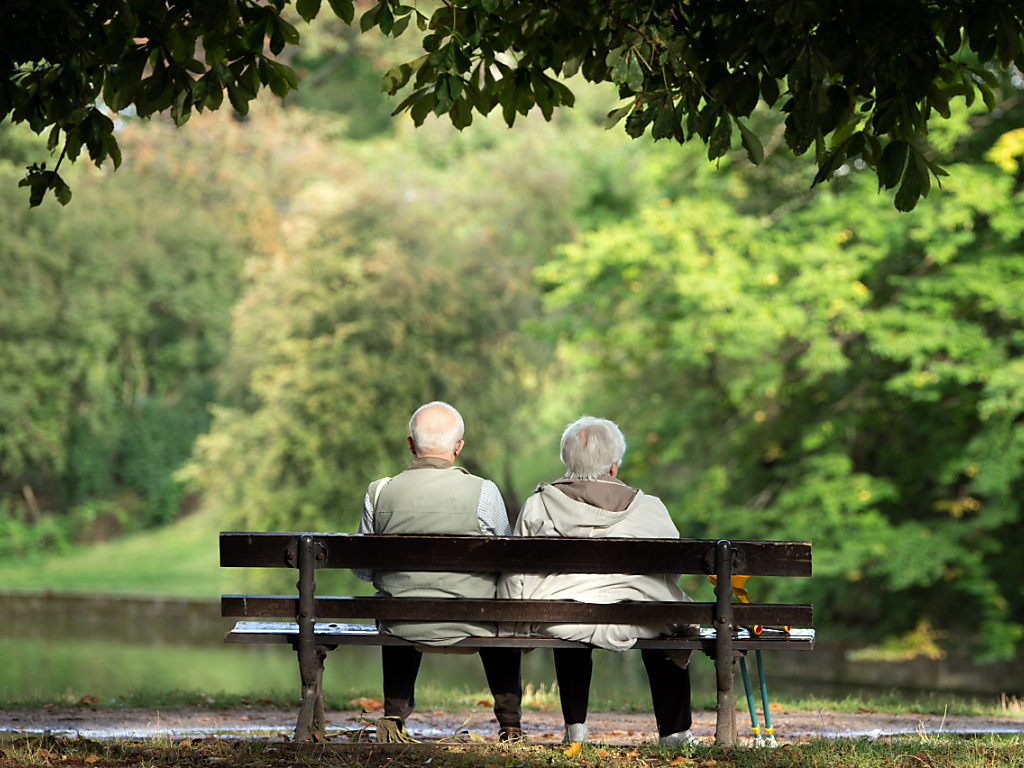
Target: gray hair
x,y
590,446
436,436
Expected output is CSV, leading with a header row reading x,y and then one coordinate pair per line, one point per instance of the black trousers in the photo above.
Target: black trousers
x,y
401,664
670,687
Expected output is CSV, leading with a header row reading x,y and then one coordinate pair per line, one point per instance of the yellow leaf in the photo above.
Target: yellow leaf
x,y
574,749
680,760
367,703
602,753
92,758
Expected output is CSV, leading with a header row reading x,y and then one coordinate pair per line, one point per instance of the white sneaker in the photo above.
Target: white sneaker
x,y
681,739
575,732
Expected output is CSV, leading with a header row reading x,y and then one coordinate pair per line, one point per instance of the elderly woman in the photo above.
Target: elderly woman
x,y
591,502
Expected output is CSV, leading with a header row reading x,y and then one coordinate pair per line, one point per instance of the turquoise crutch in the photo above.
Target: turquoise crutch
x,y
768,740
758,741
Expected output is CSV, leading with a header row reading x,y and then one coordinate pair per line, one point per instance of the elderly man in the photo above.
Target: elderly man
x,y
591,502
432,496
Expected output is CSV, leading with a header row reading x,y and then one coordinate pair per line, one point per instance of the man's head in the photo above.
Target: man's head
x,y
436,429
592,448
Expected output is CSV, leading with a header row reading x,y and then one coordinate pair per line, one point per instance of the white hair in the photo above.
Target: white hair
x,y
428,439
590,446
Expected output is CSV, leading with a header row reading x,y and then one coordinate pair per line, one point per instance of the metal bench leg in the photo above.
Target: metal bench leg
x,y
725,727
310,723
319,719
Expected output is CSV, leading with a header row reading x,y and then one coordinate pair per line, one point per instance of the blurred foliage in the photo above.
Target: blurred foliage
x,y
113,318
786,362
824,369
378,297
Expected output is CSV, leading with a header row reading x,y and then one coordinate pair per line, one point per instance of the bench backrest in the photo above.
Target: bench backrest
x,y
533,555
523,555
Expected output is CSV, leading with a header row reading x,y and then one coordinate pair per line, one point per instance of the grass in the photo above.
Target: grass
x,y
178,560
942,751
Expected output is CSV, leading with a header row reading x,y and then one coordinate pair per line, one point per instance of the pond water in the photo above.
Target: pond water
x,y
108,646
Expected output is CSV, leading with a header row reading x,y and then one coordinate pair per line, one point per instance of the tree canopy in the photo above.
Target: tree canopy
x,y
840,373
857,81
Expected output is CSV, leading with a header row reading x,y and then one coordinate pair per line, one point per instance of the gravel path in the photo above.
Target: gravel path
x,y
265,722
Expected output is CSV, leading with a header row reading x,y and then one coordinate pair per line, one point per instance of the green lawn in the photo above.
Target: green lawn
x,y
180,559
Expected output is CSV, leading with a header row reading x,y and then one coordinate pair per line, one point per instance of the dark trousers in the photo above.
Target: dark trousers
x,y
670,687
401,664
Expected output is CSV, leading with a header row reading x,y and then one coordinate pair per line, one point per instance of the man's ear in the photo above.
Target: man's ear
x,y
614,470
411,446
459,446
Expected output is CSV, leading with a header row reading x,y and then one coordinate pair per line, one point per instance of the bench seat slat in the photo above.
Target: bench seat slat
x,y
523,555
560,611
332,634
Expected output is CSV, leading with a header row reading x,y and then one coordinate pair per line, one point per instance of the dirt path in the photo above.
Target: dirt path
x,y
270,723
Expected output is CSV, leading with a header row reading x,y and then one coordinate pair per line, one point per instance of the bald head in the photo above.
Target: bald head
x,y
436,429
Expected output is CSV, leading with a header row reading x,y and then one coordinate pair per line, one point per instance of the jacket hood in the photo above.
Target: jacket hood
x,y
578,519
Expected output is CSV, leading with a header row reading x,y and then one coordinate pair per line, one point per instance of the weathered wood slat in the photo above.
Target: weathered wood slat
x,y
329,634
523,555
559,611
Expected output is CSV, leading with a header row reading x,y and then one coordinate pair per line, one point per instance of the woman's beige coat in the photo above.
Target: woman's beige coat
x,y
549,512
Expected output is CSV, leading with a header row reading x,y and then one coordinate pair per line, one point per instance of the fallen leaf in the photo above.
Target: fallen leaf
x,y
574,749
264,701
680,760
91,758
602,753
773,707
484,703
368,703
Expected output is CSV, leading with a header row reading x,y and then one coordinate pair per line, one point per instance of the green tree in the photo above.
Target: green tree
x,y
112,320
856,81
834,372
383,295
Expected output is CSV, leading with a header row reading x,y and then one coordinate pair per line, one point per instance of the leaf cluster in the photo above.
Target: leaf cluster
x,y
67,67
857,81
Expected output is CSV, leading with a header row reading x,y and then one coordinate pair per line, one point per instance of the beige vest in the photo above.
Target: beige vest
x,y
432,497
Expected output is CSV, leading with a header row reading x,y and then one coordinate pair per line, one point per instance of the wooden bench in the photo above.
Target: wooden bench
x,y
313,627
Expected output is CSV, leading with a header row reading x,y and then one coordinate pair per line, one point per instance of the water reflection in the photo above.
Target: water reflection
x,y
104,646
